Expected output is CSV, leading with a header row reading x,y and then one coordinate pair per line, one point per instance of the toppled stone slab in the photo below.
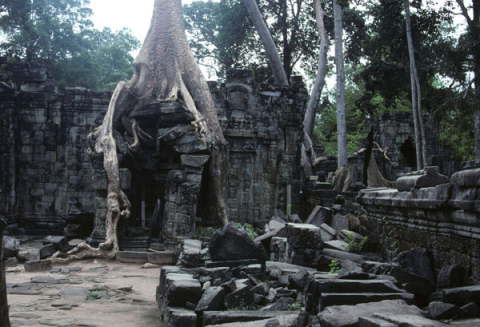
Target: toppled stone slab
x,y
320,215
336,245
232,242
47,251
462,295
230,263
11,247
439,310
417,262
327,232
339,222
60,242
211,300
335,254
348,315
40,265
224,317
29,255
50,279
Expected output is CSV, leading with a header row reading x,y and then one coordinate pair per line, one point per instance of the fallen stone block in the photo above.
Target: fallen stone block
x,y
179,317
440,310
230,263
50,279
461,296
29,255
327,232
40,265
348,315
283,304
232,242
428,177
60,242
336,245
11,262
470,310
452,276
374,322
304,236
47,251
240,299
211,300
162,258
402,320
339,222
177,289
279,249
132,257
11,246
417,262
335,254
225,317
320,215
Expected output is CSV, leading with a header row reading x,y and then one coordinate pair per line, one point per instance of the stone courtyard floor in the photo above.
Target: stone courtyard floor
x,y
84,293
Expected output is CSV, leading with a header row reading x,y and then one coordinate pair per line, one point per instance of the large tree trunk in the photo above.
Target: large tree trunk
x,y
266,38
4,319
309,119
339,64
165,71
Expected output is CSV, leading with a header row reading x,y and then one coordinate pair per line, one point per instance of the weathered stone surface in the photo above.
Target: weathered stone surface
x,y
339,222
452,276
162,258
29,255
283,304
60,242
132,257
408,320
179,292
11,246
41,265
428,177
240,299
320,215
335,254
211,300
470,310
327,232
336,245
179,317
462,295
440,310
11,262
304,236
348,315
417,262
230,263
212,318
232,242
47,251
279,249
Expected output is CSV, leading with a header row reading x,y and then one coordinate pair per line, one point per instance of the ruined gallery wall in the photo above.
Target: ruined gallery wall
x,y
444,219
46,175
45,171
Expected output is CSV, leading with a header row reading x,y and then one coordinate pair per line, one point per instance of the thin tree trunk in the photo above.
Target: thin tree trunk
x,y
417,120
317,88
309,119
4,319
339,63
272,53
474,27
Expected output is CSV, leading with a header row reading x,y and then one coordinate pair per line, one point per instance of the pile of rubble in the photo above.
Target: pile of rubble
x,y
307,274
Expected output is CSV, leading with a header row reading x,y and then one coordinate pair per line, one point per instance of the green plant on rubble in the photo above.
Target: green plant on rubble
x,y
352,245
207,255
334,267
203,232
248,229
93,296
391,244
296,306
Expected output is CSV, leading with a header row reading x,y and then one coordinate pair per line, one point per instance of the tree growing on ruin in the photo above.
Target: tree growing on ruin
x,y
165,72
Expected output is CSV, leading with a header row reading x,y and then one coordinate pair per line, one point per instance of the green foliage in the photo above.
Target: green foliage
x,y
91,296
296,306
248,229
352,245
59,34
392,247
203,232
334,267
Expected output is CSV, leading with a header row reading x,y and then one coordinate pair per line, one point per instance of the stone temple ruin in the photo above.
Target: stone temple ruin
x,y
320,257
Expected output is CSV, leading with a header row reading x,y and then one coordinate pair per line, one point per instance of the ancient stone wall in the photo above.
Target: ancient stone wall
x,y
45,171
46,175
444,219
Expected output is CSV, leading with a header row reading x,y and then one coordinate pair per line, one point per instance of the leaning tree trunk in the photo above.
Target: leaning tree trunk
x,y
267,40
341,116
415,86
309,119
165,71
4,319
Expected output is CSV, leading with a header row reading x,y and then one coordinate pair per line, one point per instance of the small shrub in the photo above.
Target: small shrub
x,y
203,232
334,267
91,296
352,245
248,229
296,306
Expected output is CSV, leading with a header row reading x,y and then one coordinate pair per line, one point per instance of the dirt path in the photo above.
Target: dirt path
x,y
84,293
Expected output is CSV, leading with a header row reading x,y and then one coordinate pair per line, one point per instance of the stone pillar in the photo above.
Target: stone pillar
x,y
4,320
181,195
